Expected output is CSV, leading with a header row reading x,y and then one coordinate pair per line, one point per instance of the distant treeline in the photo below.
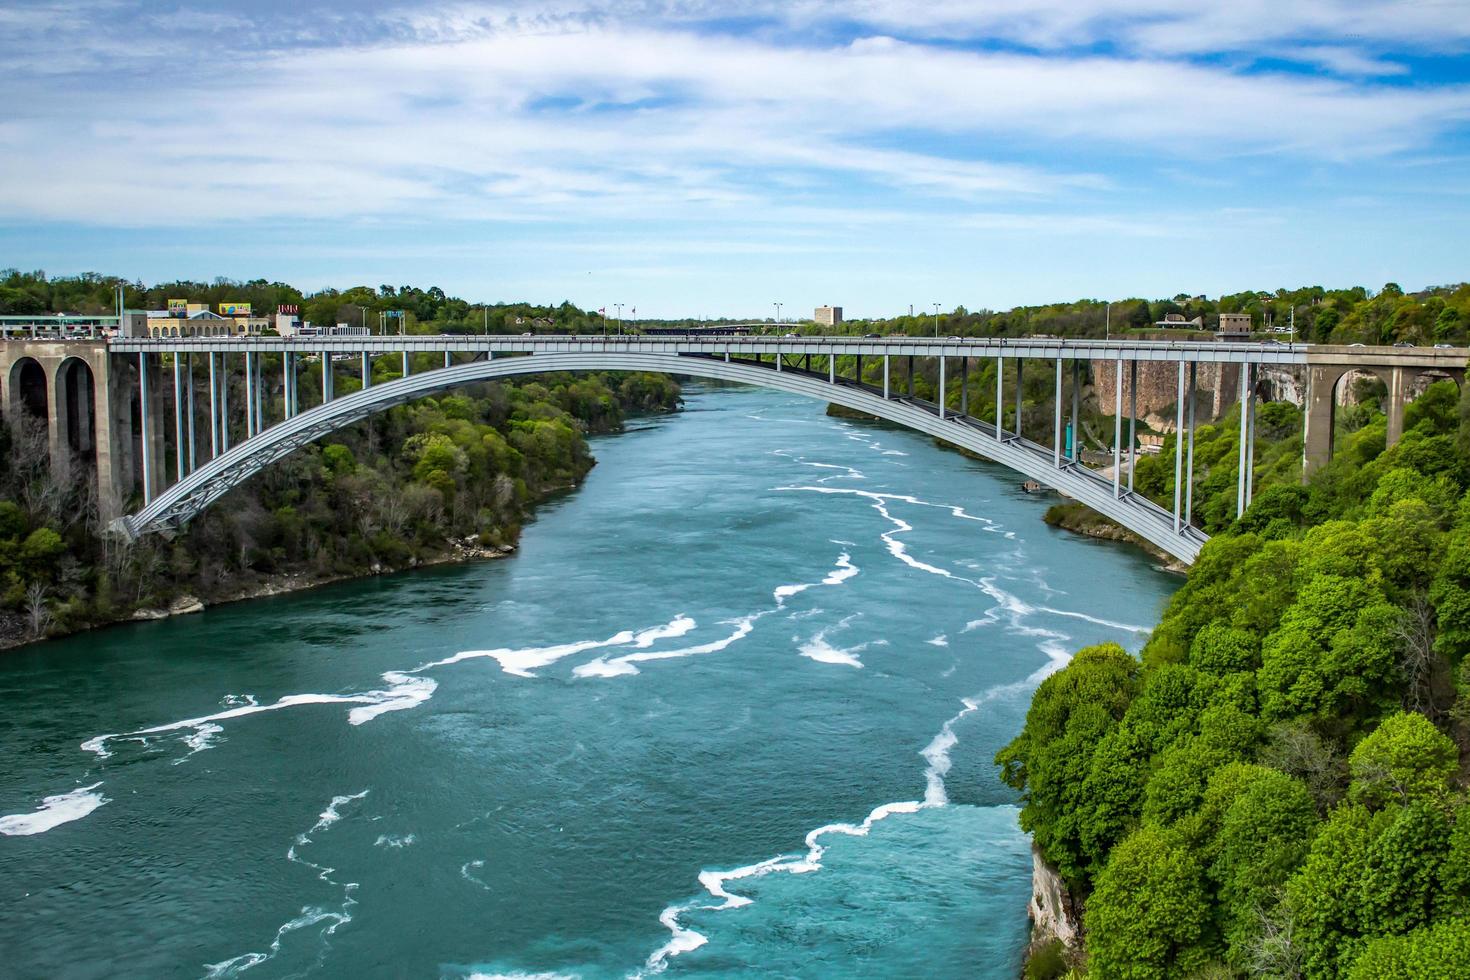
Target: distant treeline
x,y
1439,314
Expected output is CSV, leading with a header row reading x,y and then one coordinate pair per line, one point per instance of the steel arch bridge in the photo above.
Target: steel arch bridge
x,y
170,510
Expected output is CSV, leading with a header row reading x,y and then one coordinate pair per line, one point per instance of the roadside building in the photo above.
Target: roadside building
x,y
1234,326
828,316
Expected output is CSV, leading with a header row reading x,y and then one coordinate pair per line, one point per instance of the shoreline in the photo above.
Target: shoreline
x,y
186,604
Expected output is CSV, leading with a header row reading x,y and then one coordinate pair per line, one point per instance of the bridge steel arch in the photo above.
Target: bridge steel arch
x,y
175,507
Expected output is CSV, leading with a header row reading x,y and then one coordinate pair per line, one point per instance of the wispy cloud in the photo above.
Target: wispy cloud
x,y
1005,118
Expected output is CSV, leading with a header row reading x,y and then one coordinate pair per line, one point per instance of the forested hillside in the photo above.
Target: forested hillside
x,y
1438,314
1278,788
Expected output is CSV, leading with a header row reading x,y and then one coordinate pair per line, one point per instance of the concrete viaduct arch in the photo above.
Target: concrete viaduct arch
x,y
1323,382
71,389
174,507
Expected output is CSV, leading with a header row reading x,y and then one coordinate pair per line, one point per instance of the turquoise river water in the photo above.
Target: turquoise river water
x,y
729,712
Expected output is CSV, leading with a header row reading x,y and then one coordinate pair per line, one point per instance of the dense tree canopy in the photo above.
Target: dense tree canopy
x,y
1276,789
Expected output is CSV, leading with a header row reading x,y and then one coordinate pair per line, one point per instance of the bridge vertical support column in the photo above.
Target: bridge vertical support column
x,y
179,471
224,404
1398,399
1240,454
145,417
1076,409
1000,398
1250,448
405,364
1056,445
189,377
446,359
859,370
1132,420
367,371
964,387
886,359
259,393
1318,422
326,376
1020,427
213,406
832,368
941,387
114,434
287,373
1189,463
778,360
1118,431
1178,447
249,394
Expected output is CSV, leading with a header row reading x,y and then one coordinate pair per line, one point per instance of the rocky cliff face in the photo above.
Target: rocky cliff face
x,y
1053,914
1218,387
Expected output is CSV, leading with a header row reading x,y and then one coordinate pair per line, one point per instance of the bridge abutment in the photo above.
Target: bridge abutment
x,y
73,387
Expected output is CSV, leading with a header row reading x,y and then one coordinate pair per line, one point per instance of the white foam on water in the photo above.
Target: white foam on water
x,y
849,471
938,761
1110,624
521,662
684,939
523,976
389,840
676,627
310,915
942,640
890,539
329,816
845,570
817,648
53,812
624,665
404,691
464,872
203,738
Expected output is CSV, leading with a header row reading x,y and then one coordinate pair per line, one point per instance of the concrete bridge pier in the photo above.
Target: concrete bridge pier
x,y
76,388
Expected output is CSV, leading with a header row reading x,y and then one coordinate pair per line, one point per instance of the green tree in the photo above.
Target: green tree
x,y
1070,713
1404,760
1149,917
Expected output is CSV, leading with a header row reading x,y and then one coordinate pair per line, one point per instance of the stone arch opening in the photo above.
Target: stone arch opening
x,y
1353,389
28,389
1429,376
76,406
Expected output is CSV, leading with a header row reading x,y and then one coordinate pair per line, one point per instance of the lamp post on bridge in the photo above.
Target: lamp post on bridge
x,y
936,321
778,315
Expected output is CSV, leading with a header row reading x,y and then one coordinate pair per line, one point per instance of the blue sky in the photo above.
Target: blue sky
x,y
698,158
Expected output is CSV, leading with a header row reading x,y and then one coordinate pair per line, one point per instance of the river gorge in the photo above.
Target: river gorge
x,y
730,711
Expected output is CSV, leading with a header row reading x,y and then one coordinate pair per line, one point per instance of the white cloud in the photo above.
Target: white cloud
x,y
569,112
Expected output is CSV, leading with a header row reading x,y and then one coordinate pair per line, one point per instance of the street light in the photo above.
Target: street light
x,y
1108,323
778,315
936,321
620,318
